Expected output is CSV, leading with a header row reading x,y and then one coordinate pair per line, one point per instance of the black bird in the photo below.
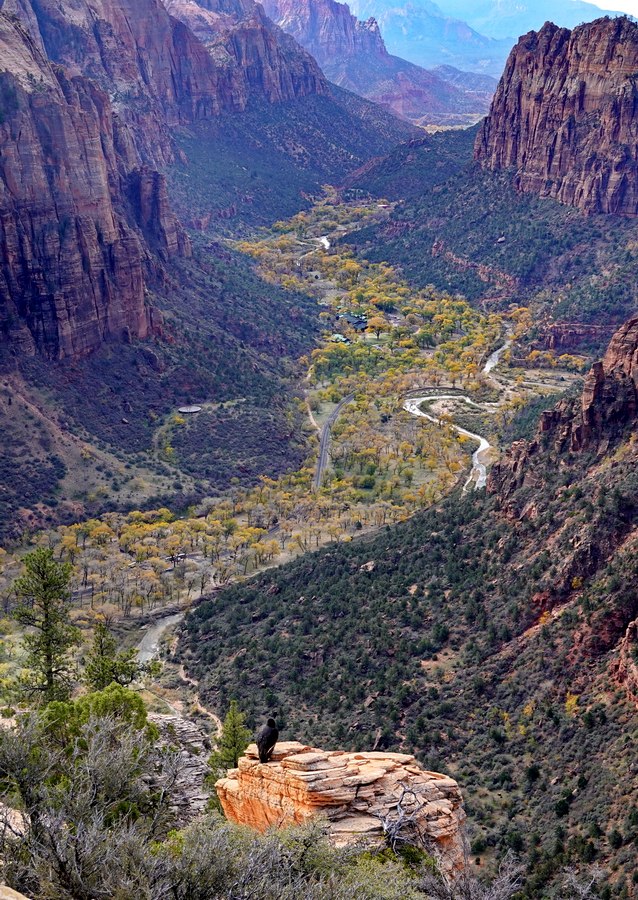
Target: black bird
x,y
266,740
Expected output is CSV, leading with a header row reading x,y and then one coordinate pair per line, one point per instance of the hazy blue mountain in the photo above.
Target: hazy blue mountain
x,y
474,35
418,30
511,18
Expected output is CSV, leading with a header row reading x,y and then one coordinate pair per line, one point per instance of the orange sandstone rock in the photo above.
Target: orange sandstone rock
x,y
354,791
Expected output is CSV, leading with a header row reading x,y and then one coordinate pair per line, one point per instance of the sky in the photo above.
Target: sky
x,y
628,6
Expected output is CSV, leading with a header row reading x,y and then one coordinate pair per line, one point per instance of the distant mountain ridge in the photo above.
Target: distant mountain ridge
x,y
353,54
421,33
510,18
470,36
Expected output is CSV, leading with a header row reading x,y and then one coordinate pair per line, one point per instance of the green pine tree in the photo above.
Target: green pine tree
x,y
43,590
104,665
232,742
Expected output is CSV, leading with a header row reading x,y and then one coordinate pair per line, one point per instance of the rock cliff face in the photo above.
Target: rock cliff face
x,y
327,29
353,55
89,93
72,257
565,116
256,56
608,405
154,70
355,791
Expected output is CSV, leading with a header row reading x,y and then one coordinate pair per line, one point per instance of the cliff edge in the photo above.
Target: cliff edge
x,y
359,794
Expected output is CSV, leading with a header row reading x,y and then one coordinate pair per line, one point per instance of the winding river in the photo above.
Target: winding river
x,y
480,457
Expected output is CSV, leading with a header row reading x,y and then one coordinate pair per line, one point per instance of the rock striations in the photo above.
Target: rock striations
x,y
327,29
356,792
72,260
89,94
565,116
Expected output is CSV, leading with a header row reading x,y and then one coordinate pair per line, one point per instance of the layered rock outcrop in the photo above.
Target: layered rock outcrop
x,y
608,405
565,116
356,792
153,69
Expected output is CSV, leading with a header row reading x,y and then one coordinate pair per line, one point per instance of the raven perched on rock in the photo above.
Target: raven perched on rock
x,y
266,740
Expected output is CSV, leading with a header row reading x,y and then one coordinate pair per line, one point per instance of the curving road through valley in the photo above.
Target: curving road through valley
x,y
480,457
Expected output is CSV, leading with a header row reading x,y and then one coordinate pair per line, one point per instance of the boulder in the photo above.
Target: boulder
x,y
358,793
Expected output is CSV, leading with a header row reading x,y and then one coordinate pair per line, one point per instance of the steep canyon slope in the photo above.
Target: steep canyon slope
x,y
353,54
97,99
547,211
492,636
91,96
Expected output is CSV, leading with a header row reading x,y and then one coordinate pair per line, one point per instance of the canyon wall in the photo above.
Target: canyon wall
x,y
327,29
607,406
565,116
259,58
72,260
90,93
353,55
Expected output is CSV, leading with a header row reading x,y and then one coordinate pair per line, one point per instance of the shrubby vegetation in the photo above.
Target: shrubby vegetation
x,y
91,786
473,233
254,180
460,636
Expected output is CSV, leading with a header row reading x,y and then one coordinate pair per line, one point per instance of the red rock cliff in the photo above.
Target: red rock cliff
x,y
565,116
327,29
89,93
353,55
72,259
260,59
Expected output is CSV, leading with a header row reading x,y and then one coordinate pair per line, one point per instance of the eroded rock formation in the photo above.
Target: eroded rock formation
x,y
608,404
354,791
89,93
565,116
327,29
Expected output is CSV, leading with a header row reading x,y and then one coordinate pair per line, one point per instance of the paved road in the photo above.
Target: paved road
x,y
480,457
324,443
478,473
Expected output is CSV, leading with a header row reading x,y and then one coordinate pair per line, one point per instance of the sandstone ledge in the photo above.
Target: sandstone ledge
x,y
354,791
